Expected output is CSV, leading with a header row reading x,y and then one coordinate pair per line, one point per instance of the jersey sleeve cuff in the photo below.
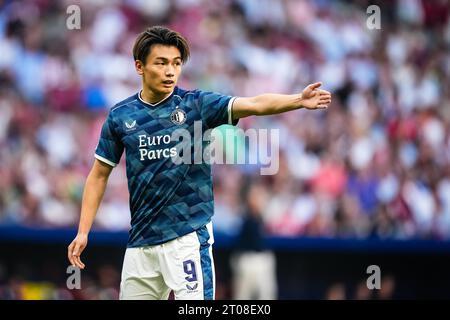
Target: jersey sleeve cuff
x,y
230,112
112,164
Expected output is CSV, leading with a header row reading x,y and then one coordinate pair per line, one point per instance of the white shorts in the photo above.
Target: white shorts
x,y
184,265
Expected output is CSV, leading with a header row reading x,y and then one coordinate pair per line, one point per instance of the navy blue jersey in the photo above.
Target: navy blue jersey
x,y
167,200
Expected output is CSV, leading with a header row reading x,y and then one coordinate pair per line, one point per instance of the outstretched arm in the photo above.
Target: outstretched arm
x,y
92,196
311,98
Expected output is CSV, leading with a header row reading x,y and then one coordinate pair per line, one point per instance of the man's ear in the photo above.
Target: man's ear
x,y
139,67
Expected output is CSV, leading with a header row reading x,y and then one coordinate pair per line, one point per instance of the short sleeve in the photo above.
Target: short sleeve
x,y
110,147
216,109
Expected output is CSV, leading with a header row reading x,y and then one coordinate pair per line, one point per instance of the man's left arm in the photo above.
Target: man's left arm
x,y
310,98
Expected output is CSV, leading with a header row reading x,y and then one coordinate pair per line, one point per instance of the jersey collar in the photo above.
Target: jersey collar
x,y
157,103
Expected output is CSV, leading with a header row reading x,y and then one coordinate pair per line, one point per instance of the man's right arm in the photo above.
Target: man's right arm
x,y
92,196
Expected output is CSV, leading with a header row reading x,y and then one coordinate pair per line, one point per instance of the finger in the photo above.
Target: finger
x,y
82,265
70,253
314,85
324,92
322,106
79,263
76,255
72,262
325,101
76,261
76,250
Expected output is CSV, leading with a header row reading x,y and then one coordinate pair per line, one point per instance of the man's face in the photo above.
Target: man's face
x,y
162,68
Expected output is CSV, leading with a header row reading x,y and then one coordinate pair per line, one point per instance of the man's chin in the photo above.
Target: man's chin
x,y
161,90
167,89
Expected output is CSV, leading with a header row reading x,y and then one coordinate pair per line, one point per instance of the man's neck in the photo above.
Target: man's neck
x,y
152,97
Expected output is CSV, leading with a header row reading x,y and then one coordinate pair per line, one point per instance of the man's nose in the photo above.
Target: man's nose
x,y
170,71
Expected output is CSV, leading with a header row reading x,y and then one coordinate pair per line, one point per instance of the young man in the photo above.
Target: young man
x,y
169,246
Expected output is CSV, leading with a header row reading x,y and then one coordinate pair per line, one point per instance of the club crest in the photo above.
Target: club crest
x,y
178,116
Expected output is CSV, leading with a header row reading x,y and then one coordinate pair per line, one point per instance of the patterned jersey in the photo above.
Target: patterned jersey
x,y
168,199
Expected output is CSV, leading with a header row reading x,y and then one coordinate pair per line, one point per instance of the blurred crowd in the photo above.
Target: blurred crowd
x,y
47,282
375,164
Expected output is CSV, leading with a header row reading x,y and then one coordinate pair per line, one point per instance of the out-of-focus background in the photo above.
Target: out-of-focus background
x,y
366,182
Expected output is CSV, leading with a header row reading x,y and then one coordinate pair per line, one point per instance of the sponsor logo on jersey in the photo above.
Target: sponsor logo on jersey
x,y
130,125
193,287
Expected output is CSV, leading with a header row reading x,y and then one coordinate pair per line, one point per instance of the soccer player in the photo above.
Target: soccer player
x,y
171,203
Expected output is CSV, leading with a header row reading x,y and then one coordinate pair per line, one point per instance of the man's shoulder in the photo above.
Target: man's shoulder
x,y
199,94
187,94
128,102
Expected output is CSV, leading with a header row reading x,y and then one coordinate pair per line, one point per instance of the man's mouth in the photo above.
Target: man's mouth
x,y
168,82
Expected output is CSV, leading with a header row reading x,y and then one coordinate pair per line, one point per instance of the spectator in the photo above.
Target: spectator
x,y
253,264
